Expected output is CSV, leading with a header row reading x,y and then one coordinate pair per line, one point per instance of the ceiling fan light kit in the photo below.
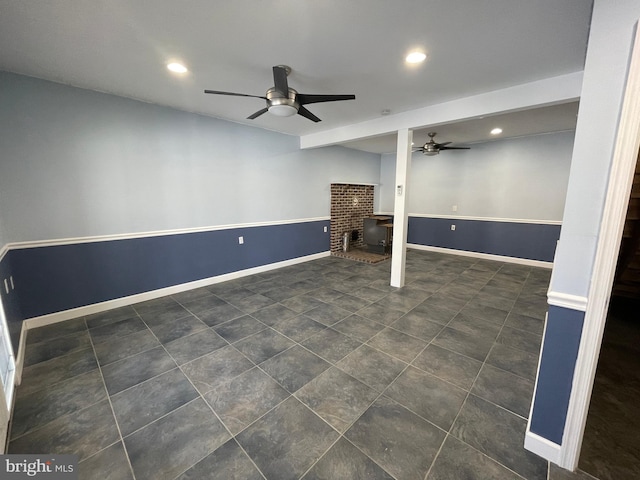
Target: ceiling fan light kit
x,y
430,152
432,148
283,110
282,106
283,101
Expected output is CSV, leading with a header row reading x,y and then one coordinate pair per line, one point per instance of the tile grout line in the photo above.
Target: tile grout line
x,y
340,435
41,426
435,458
407,365
256,366
469,394
466,397
200,396
113,413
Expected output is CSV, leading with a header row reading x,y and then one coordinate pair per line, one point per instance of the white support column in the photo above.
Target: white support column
x,y
400,214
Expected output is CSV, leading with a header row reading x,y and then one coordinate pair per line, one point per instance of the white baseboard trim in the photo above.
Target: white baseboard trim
x,y
5,417
566,300
56,317
484,256
542,447
20,354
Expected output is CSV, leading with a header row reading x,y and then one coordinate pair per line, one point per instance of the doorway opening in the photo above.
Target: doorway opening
x,y
611,442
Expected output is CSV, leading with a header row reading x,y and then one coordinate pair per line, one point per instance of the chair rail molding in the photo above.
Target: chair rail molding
x,y
567,300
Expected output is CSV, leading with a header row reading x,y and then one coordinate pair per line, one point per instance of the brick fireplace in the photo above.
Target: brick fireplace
x,y
350,204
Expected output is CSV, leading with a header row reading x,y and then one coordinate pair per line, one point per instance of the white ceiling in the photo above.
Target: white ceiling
x,y
556,118
334,46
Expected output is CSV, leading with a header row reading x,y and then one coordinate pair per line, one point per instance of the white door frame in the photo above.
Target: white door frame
x,y
623,166
6,390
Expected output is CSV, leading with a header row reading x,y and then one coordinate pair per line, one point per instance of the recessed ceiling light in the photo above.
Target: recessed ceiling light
x,y
177,67
416,57
496,131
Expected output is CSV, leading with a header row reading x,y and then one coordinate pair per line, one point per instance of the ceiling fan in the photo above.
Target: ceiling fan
x,y
283,101
433,148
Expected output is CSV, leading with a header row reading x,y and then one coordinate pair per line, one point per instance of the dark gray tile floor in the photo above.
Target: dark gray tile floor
x,y
318,371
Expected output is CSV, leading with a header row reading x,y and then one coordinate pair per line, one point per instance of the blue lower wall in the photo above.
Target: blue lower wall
x,y
557,366
56,278
509,239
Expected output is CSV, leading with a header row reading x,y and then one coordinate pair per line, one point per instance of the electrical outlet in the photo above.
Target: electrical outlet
x,y
325,229
453,227
454,208
241,240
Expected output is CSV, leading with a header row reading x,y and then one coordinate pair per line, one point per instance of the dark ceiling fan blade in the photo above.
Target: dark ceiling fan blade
x,y
280,80
307,114
216,92
257,114
304,99
442,144
455,148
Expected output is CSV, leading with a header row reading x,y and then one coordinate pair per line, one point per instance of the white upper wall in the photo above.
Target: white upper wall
x,y
521,178
78,163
